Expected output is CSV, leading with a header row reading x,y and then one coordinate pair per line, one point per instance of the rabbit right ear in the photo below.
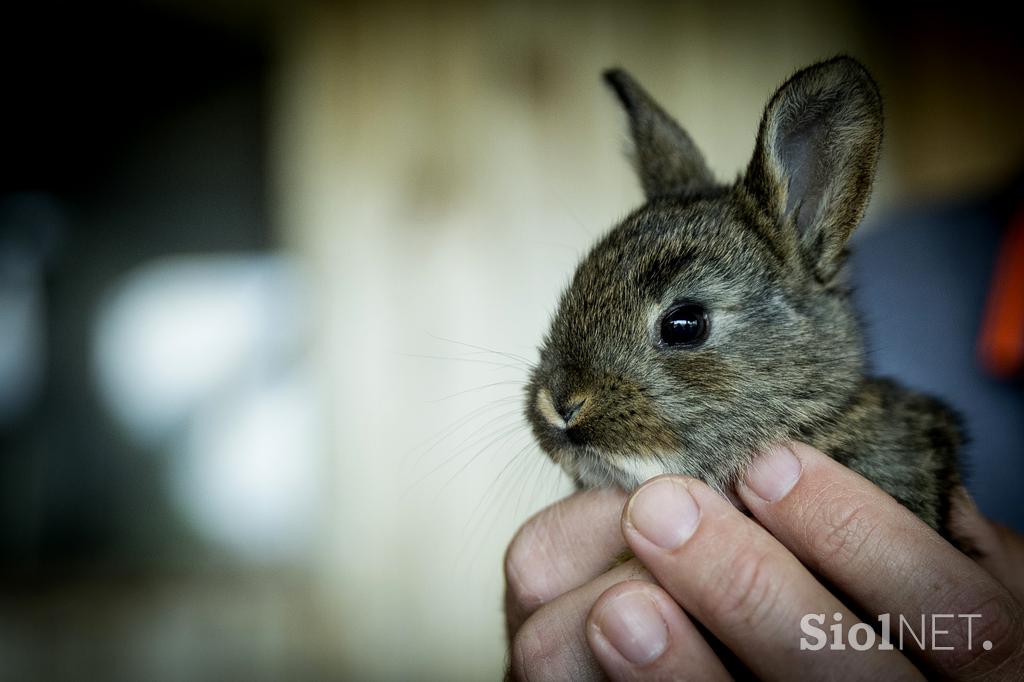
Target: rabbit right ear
x,y
815,158
666,159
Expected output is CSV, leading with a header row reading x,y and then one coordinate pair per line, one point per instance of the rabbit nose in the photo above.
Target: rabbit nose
x,y
560,413
570,409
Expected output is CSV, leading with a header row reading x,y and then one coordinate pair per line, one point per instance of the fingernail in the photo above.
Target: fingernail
x,y
773,474
633,625
664,512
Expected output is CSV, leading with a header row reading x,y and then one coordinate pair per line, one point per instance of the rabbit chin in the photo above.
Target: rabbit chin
x,y
592,468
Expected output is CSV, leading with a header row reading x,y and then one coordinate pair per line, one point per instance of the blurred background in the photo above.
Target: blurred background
x,y
271,274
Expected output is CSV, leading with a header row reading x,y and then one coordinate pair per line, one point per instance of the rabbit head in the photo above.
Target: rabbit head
x,y
713,320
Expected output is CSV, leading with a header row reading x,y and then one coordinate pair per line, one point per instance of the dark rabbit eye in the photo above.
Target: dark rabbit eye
x,y
686,325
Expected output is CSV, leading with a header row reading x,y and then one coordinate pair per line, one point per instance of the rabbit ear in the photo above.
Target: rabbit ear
x,y
815,157
665,157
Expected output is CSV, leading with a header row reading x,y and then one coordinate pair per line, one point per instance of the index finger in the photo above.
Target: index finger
x,y
561,548
847,530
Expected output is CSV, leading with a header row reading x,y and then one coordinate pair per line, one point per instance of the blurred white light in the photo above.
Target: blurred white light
x,y
203,358
178,331
248,475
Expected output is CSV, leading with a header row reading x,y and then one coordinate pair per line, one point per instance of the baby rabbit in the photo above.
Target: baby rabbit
x,y
714,321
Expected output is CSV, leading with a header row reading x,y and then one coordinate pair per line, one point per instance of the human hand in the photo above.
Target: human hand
x,y
831,543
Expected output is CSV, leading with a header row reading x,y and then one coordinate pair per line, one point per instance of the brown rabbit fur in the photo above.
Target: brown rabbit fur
x,y
783,356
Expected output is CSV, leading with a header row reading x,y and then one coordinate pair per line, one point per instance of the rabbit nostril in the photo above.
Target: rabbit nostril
x,y
569,411
559,413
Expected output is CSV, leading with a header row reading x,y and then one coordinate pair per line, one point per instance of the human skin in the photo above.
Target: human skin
x,y
822,540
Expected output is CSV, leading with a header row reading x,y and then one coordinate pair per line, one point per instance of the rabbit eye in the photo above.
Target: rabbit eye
x,y
686,325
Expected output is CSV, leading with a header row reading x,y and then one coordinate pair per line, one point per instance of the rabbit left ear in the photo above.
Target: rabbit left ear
x,y
666,159
814,162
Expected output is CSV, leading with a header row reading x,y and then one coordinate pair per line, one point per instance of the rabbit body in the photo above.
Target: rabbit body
x,y
714,320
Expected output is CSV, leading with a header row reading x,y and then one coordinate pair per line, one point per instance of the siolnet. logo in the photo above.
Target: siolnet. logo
x,y
936,631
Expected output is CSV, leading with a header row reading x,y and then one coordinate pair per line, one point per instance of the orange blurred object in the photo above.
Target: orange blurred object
x,y
1001,344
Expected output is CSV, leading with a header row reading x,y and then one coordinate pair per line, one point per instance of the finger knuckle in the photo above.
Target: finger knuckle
x,y
842,530
747,591
530,652
525,563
